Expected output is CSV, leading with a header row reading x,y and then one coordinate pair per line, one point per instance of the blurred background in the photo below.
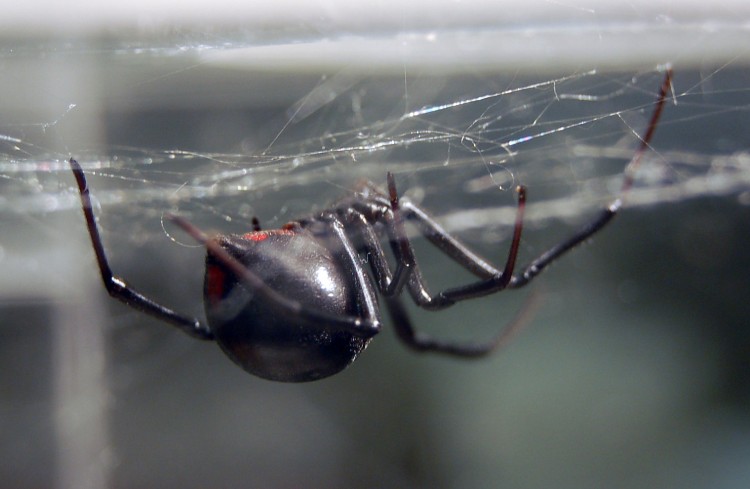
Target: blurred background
x,y
635,371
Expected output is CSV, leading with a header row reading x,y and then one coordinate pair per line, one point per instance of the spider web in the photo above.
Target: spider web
x,y
460,143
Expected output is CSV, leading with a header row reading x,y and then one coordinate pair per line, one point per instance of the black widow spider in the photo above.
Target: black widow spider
x,y
296,304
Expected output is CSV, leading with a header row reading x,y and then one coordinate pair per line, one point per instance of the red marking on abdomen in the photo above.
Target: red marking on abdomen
x,y
262,235
256,235
215,278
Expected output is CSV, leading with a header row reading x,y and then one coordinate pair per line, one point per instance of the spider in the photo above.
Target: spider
x,y
296,304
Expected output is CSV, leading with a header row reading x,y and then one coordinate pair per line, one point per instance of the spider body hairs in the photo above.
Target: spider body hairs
x,y
296,304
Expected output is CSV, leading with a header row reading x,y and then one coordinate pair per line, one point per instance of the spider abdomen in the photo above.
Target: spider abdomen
x,y
266,340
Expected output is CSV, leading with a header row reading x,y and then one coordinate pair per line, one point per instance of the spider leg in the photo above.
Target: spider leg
x,y
365,327
363,283
449,245
406,262
536,266
426,343
605,215
429,228
369,244
391,212
493,280
118,288
390,216
388,211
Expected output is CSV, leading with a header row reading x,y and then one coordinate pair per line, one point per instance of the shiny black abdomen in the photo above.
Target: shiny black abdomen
x,y
262,337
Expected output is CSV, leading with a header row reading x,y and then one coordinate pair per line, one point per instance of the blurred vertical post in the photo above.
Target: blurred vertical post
x,y
83,451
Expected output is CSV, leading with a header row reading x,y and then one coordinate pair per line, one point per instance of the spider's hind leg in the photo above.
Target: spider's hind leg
x,y
426,343
117,287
